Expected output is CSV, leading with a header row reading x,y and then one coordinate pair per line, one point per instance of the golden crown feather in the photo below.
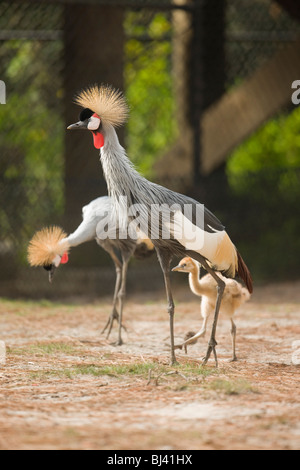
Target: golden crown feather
x,y
46,245
106,101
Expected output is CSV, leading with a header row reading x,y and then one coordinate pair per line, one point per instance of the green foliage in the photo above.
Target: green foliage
x,y
276,145
30,134
264,178
31,142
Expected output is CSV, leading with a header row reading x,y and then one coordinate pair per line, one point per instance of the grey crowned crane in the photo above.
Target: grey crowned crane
x,y
176,224
49,248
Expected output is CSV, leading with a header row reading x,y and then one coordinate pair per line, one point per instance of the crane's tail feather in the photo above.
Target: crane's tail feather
x,y
244,273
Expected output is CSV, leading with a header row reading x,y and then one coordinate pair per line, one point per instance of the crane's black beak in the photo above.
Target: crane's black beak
x,y
78,125
51,273
51,270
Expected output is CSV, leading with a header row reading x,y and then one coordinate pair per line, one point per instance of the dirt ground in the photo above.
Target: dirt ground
x,y
64,386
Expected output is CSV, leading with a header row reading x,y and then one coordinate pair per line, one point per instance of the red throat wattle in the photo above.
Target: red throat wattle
x,y
65,258
98,139
97,136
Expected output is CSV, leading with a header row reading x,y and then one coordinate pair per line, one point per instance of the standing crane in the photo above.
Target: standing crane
x,y
49,248
206,287
176,224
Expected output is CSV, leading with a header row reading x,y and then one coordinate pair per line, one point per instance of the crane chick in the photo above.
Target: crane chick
x,y
234,296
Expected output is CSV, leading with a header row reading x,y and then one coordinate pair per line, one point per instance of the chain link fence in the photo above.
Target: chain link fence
x,y
174,59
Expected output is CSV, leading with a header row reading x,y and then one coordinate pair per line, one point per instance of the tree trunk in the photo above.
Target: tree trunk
x,y
94,43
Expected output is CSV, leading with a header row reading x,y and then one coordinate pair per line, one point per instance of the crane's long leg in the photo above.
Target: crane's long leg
x,y
114,314
165,259
221,287
233,335
122,295
212,342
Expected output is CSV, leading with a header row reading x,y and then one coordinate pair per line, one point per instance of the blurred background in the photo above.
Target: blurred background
x,y
209,84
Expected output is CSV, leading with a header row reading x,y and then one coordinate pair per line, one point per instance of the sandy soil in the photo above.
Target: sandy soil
x,y
64,386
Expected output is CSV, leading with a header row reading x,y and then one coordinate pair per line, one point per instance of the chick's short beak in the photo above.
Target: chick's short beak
x,y
177,268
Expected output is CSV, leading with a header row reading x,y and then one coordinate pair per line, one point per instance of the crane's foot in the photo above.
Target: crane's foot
x,y
119,342
110,322
211,348
234,359
173,360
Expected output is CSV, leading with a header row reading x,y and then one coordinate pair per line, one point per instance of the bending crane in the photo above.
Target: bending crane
x,y
49,249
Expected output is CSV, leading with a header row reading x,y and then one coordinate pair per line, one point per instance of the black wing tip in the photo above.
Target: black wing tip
x,y
244,273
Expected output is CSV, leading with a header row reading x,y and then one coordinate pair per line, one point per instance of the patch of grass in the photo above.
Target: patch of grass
x,y
45,374
71,433
98,370
232,387
26,303
182,388
27,307
46,349
190,369
134,369
54,348
139,369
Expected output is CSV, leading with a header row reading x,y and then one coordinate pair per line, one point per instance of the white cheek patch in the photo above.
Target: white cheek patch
x,y
94,123
56,261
